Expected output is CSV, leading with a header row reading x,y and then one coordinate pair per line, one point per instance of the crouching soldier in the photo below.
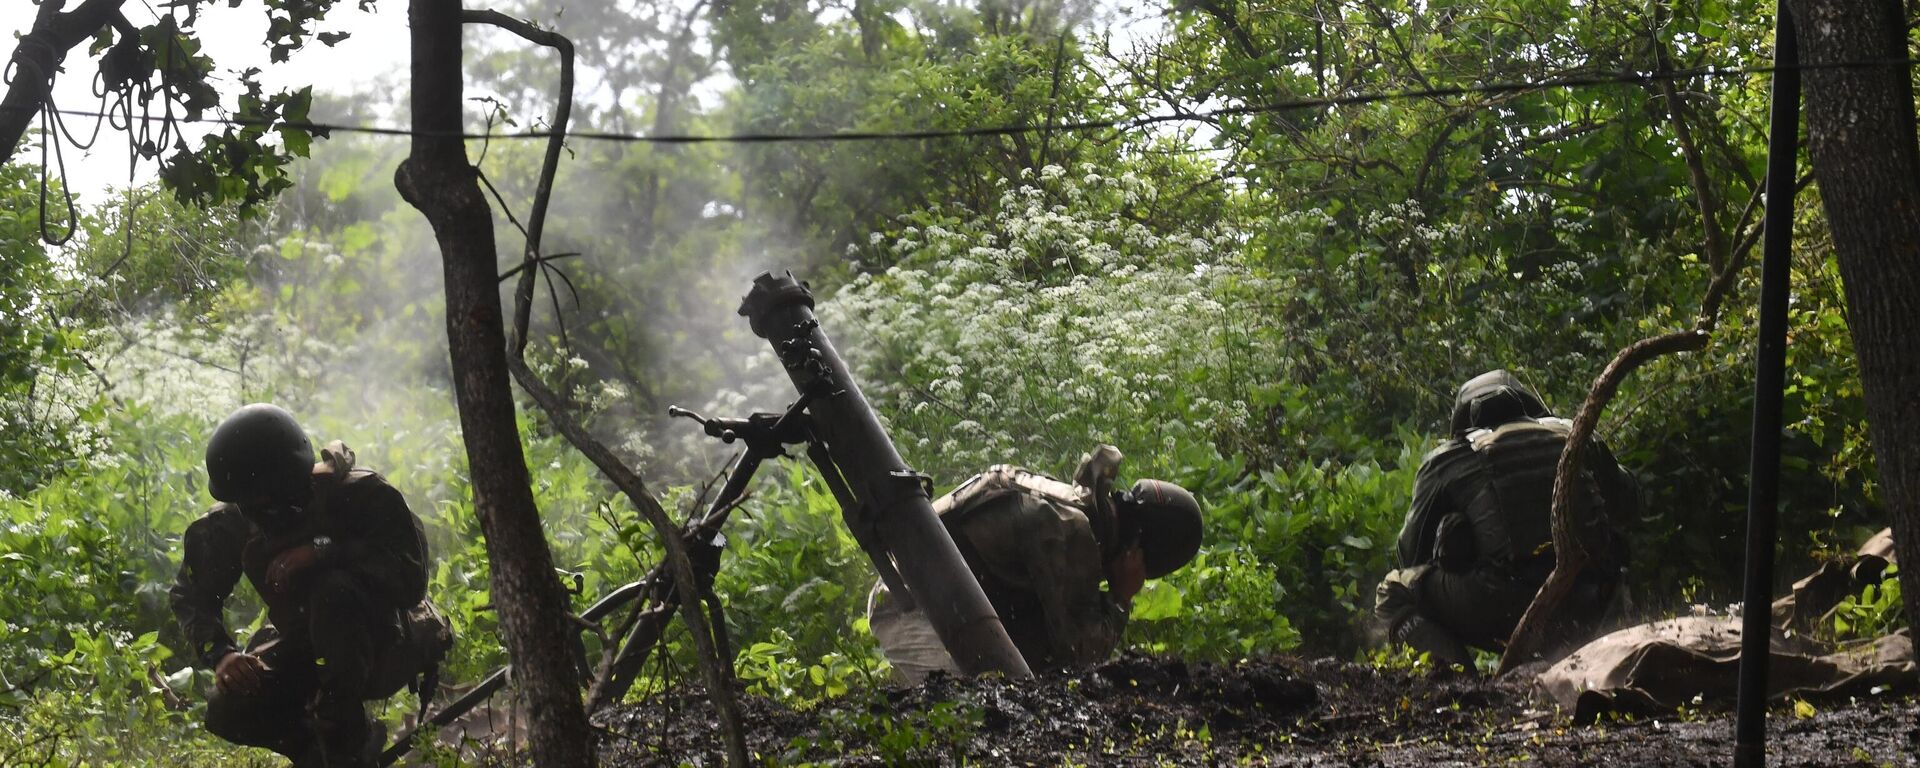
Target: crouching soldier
x,y
340,563
1040,549
1478,540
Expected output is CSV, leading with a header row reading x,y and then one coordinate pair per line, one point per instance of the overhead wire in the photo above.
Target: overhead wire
x,y
1623,77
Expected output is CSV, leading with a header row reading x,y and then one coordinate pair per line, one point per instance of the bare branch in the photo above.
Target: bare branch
x,y
1570,553
717,673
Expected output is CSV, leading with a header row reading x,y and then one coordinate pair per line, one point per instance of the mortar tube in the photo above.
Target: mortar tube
x,y
780,310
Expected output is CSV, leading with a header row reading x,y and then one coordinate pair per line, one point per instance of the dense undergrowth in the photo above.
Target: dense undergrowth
x,y
1273,313
976,363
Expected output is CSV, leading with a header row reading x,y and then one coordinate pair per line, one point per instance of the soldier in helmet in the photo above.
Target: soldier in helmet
x,y
1041,549
340,563
1478,540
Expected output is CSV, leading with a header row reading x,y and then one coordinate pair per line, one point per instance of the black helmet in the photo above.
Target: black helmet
x,y
1492,399
1167,519
259,450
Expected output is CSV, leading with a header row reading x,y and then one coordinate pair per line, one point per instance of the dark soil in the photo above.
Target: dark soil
x,y
1149,712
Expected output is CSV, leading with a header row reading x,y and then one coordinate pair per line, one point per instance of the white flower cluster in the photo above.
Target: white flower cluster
x,y
1035,332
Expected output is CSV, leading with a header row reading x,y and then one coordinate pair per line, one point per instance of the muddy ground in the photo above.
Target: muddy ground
x,y
1283,712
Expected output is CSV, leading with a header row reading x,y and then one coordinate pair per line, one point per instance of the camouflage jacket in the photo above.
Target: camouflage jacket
x,y
1030,541
1484,500
375,538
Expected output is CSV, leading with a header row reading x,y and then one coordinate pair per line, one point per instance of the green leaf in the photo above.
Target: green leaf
x,y
296,141
1157,601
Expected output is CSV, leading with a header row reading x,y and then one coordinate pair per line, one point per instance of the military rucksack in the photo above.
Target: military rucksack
x,y
424,634
1511,513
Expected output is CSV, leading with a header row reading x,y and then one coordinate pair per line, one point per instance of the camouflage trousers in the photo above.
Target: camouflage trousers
x,y
310,705
1444,612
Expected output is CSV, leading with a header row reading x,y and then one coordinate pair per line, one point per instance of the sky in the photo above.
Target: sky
x,y
375,53
234,38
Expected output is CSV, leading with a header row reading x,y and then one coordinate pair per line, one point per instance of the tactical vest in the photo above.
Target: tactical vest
x,y
1511,512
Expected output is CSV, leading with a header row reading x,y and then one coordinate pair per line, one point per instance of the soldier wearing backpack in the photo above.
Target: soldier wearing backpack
x,y
341,564
1478,539
1041,549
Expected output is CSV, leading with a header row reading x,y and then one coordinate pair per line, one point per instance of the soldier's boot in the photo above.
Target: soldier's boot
x,y
345,736
1397,604
319,755
1420,634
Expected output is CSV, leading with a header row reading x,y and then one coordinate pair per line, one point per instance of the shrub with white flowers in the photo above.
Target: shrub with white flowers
x,y
1030,334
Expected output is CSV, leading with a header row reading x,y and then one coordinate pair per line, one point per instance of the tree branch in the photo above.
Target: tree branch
x,y
717,673
1530,636
38,57
1570,553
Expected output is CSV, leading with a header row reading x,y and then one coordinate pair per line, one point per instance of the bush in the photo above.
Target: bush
x,y
1031,334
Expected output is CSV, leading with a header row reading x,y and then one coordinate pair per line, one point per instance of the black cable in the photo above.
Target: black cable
x,y
1569,82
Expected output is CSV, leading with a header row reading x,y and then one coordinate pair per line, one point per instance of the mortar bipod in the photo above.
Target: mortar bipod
x,y
766,436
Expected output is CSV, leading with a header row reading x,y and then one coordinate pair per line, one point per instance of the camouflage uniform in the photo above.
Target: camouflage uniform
x,y
1036,546
1477,543
357,627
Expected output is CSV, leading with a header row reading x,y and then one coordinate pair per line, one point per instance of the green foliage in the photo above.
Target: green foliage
x,y
1223,606
1874,612
148,253
789,561
86,640
1397,656
1328,533
43,432
1053,324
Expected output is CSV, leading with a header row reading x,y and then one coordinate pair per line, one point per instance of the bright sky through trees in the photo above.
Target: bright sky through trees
x,y
233,37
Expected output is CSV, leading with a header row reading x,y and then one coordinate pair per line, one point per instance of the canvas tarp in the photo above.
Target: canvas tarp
x,y
1656,667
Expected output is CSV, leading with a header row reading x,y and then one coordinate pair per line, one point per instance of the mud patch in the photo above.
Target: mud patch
x,y
1282,711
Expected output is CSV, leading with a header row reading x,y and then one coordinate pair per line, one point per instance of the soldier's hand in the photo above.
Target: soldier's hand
x,y
1127,574
239,673
285,572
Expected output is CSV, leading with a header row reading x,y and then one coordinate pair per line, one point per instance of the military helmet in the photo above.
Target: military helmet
x,y
1167,519
259,450
1492,399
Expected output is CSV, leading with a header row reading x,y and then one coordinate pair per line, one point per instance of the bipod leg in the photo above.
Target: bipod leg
x,y
704,548
454,709
634,648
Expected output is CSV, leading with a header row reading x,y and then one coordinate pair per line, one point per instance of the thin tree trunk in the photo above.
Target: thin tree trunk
x,y
437,179
1860,130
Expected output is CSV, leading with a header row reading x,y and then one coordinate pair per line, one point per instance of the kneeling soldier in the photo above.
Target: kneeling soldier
x,y
1478,540
1040,549
340,563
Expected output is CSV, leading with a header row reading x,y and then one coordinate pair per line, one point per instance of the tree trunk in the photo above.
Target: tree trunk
x,y
1860,130
437,179
38,57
